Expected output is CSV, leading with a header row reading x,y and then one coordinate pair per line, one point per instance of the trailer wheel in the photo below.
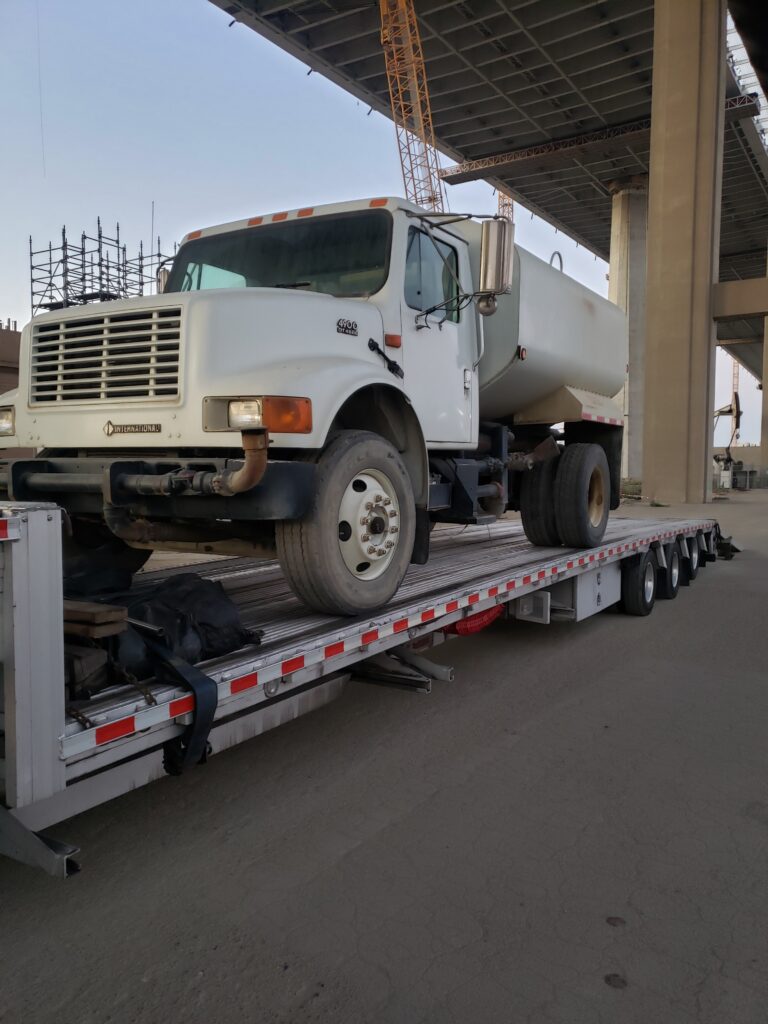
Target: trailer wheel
x,y
638,584
349,553
691,563
582,495
668,582
537,504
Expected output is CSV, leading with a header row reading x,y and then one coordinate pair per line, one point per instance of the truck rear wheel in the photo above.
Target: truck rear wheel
x,y
537,504
349,553
582,495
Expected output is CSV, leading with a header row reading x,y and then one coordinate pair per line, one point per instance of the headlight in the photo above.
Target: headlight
x,y
7,421
246,414
276,413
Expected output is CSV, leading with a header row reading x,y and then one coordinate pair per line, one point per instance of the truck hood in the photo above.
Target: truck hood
x,y
217,343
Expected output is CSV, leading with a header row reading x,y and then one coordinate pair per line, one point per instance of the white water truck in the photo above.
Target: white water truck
x,y
325,385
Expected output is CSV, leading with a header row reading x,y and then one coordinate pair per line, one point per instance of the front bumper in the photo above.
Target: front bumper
x,y
86,486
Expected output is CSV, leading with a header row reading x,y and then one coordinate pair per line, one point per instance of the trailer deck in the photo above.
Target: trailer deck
x,y
56,764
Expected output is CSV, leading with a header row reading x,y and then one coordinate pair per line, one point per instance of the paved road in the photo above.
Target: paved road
x,y
575,830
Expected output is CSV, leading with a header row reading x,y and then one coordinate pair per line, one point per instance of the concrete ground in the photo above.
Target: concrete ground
x,y
575,830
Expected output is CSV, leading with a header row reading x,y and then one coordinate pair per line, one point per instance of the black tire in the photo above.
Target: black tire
x,y
639,577
702,559
582,495
537,504
311,551
668,582
692,563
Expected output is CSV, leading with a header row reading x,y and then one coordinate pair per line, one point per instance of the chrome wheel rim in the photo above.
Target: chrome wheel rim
x,y
674,568
596,497
369,524
649,582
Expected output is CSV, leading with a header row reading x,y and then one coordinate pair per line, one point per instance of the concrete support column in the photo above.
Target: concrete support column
x,y
626,287
683,247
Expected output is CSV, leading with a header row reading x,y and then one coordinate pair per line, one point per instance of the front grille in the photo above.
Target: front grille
x,y
111,356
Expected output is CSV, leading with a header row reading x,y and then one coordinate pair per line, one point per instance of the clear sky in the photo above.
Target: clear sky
x,y
107,106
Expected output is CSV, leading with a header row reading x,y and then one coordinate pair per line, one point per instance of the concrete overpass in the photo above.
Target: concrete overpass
x,y
572,107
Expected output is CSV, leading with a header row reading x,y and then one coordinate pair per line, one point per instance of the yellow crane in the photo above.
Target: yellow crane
x,y
409,98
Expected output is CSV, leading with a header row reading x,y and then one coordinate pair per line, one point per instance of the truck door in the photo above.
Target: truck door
x,y
438,347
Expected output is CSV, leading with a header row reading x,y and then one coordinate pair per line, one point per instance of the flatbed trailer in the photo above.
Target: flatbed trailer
x,y
57,761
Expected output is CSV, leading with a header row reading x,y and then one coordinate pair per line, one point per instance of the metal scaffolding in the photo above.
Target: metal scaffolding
x,y
97,268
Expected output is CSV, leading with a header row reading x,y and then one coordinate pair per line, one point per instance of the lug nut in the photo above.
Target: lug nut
x,y
379,497
371,550
381,551
393,529
369,505
363,520
390,544
364,537
387,501
392,513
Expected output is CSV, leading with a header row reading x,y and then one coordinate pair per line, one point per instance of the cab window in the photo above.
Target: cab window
x,y
428,280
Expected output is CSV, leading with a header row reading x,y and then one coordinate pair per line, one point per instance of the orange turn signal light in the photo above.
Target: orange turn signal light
x,y
286,415
393,340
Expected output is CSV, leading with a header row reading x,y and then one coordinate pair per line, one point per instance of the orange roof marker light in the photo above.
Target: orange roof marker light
x,y
306,212
279,216
255,221
194,234
378,202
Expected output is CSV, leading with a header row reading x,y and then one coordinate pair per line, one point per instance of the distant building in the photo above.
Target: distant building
x,y
9,355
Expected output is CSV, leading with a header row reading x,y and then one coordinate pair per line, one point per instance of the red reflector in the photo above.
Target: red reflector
x,y
428,615
526,580
292,665
473,598
400,625
474,623
194,234
370,636
306,212
113,731
244,683
333,649
378,202
279,216
452,606
393,340
181,706
255,221
493,591
3,528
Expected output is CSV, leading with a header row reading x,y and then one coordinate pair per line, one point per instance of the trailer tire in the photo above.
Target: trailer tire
x,y
668,582
692,562
582,495
354,470
537,504
639,578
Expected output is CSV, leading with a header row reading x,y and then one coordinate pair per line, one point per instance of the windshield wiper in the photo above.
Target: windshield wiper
x,y
291,284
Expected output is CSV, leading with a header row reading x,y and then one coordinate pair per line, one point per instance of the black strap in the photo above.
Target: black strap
x,y
192,746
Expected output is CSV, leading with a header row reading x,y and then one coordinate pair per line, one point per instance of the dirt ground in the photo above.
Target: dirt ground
x,y
575,830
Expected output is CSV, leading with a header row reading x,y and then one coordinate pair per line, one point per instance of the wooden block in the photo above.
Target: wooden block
x,y
89,611
94,630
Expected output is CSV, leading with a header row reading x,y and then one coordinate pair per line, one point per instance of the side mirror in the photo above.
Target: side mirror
x,y
497,246
161,277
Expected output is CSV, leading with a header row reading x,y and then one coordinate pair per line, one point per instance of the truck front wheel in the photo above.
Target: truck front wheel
x,y
582,495
349,553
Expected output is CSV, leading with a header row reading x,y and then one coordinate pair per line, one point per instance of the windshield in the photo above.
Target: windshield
x,y
344,254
